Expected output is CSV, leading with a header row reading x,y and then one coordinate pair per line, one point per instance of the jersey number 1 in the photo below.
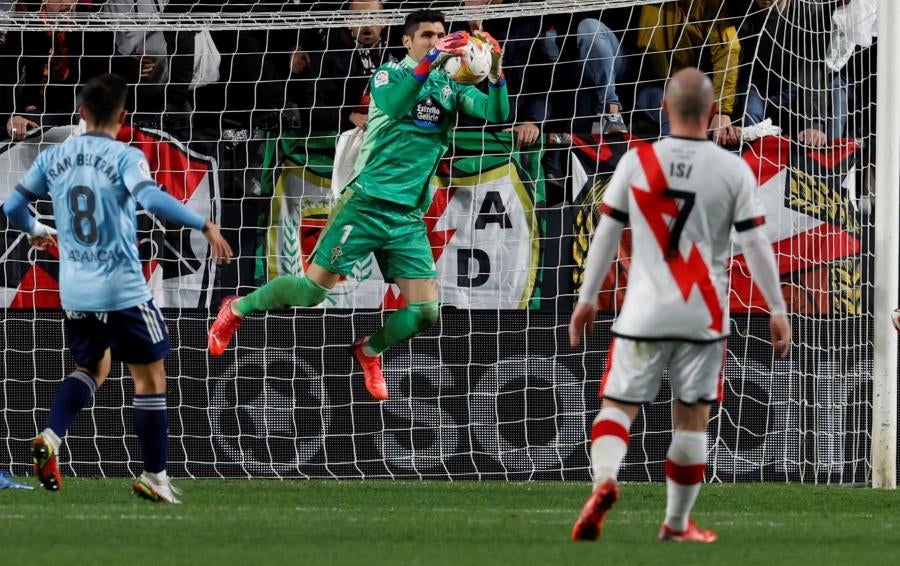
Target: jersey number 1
x,y
82,204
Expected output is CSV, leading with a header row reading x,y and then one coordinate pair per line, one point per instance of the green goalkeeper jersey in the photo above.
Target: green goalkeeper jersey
x,y
409,130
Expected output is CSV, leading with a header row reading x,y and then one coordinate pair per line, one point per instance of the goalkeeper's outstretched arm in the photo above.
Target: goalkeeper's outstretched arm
x,y
395,87
494,106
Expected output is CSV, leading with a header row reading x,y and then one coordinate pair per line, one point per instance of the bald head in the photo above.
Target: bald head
x,y
689,95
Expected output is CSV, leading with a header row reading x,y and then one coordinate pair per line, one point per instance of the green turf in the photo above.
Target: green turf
x,y
381,522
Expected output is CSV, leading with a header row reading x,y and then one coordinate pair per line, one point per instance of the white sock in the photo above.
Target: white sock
x,y
685,466
367,350
609,443
51,438
160,477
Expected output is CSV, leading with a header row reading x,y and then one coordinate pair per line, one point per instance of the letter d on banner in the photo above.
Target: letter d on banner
x,y
464,261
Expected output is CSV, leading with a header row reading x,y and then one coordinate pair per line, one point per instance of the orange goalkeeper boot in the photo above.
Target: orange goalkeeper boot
x,y
590,523
46,468
224,327
371,366
691,534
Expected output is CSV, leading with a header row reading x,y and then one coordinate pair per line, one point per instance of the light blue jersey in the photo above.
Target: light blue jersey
x,y
93,181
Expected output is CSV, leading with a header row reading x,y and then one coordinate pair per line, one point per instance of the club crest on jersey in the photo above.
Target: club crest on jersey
x,y
427,115
445,93
336,252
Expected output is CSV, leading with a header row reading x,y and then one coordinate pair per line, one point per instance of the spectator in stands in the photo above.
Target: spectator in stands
x,y
600,50
180,46
248,88
852,54
46,67
334,80
787,79
147,53
690,33
590,60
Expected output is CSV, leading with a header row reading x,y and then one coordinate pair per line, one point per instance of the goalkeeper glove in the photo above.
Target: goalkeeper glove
x,y
448,46
496,73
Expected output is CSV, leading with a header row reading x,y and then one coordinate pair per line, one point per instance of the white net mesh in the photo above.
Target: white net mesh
x,y
239,107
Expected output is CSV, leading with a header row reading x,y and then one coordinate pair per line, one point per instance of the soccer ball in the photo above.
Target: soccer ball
x,y
895,317
473,66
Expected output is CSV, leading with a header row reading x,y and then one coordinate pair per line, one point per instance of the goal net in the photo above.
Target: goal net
x,y
246,112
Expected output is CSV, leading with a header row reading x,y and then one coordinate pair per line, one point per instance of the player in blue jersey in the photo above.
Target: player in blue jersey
x,y
95,184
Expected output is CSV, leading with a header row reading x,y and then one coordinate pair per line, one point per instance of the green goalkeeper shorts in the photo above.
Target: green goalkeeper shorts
x,y
360,225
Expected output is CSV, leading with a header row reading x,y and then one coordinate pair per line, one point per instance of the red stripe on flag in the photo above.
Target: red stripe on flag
x,y
392,300
600,155
609,428
802,251
180,173
685,475
839,150
768,156
822,244
38,289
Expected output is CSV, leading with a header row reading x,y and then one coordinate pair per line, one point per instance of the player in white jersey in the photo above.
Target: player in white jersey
x,y
95,184
681,196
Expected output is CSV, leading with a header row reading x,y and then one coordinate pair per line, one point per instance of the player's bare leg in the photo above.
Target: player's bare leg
x,y
282,292
421,312
72,395
151,425
609,443
685,467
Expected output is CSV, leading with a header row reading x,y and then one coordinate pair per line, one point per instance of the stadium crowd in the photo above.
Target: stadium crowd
x,y
784,60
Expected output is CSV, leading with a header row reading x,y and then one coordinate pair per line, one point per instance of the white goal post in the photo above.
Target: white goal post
x,y
887,250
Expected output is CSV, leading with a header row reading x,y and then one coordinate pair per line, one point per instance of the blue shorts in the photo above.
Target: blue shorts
x,y
136,335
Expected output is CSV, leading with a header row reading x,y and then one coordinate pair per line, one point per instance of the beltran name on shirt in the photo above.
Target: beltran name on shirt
x,y
81,160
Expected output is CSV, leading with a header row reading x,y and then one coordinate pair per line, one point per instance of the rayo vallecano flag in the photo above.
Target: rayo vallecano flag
x,y
482,226
175,260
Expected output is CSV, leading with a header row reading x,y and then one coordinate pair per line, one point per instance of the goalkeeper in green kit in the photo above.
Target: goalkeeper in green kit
x,y
413,107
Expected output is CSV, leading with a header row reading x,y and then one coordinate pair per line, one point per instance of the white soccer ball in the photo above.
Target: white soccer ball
x,y
473,66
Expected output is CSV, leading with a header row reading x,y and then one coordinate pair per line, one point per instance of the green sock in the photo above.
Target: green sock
x,y
282,292
404,323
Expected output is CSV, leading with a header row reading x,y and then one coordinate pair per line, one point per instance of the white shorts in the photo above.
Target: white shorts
x,y
634,369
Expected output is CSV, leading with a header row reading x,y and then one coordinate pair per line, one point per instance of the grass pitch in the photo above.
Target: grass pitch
x,y
381,522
